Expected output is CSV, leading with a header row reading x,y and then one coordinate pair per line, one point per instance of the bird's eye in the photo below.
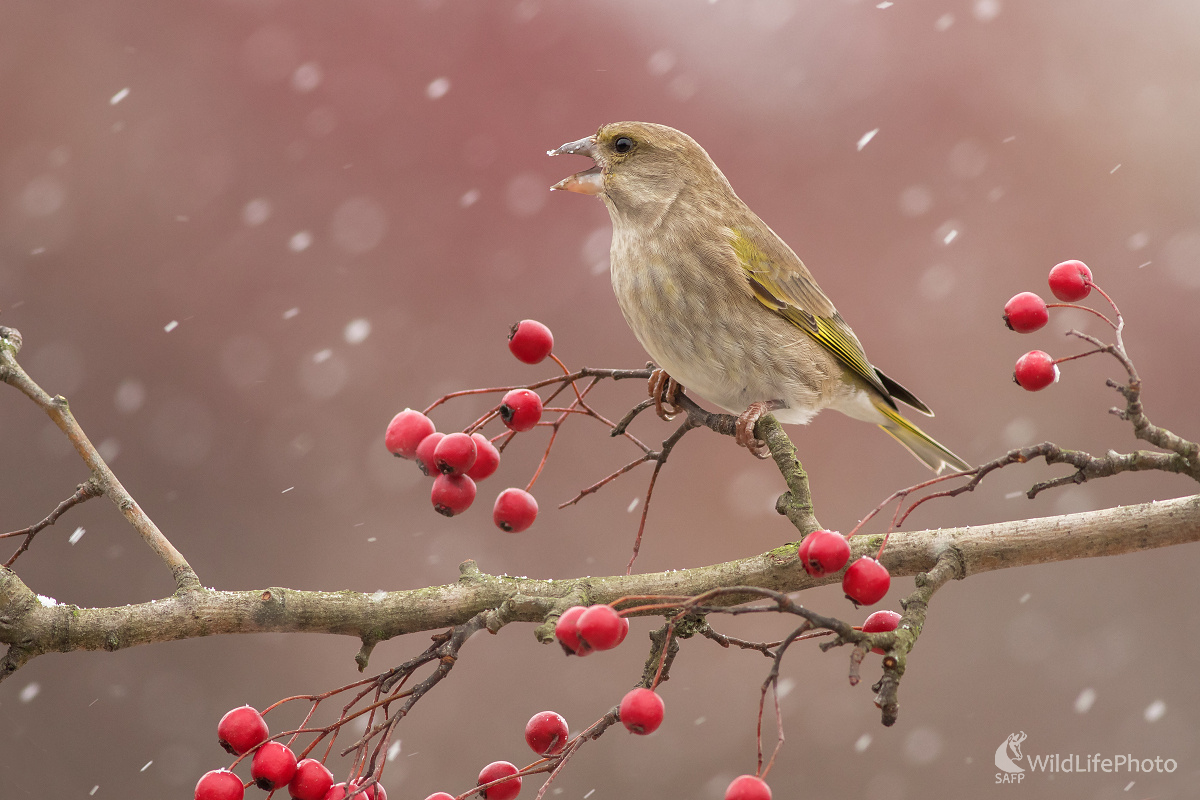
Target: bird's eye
x,y
623,144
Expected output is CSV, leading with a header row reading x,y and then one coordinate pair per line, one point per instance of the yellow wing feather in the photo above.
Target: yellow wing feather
x,y
791,292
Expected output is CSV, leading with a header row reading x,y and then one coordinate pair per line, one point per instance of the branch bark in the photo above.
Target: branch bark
x,y
32,626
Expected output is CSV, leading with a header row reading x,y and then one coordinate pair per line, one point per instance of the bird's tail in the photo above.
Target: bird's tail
x,y
920,444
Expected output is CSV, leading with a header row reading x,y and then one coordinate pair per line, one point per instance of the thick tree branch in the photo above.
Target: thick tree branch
x,y
32,626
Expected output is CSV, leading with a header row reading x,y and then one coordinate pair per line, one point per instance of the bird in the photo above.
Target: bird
x,y
723,306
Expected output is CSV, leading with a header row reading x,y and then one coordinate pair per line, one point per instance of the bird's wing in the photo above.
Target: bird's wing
x,y
782,283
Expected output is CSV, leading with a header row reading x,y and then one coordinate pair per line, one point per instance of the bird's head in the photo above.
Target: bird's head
x,y
641,167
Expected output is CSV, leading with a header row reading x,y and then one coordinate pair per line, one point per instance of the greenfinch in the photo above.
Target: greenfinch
x,y
720,302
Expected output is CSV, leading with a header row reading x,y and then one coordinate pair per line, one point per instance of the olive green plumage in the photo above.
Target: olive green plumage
x,y
719,300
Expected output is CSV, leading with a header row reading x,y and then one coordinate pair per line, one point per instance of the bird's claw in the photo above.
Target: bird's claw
x,y
665,391
745,429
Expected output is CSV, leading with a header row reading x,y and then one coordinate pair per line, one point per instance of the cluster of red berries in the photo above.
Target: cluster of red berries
x,y
457,460
825,552
273,766
1070,281
546,734
584,629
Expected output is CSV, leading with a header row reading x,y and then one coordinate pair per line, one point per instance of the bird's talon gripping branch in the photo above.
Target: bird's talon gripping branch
x,y
664,390
745,427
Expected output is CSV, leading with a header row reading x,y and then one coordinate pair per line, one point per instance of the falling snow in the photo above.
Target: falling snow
x,y
130,396
986,10
357,331
29,692
301,240
661,62
866,137
862,743
76,536
307,77
923,745
437,88
290,313
170,326
119,96
256,212
1155,711
1085,701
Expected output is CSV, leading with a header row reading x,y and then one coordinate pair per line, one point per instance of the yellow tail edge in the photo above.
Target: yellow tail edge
x,y
924,447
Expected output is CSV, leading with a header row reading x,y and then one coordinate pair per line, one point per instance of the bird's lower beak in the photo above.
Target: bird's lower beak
x,y
590,181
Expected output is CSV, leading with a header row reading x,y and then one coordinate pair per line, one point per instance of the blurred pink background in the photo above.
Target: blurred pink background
x,y
339,209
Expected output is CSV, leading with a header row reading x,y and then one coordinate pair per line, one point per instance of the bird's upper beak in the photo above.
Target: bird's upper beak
x,y
590,181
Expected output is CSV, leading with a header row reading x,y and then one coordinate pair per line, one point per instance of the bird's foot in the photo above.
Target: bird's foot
x,y
745,427
665,391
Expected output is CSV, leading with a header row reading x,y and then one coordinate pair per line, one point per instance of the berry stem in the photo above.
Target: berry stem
x,y
567,372
1082,355
662,656
1108,321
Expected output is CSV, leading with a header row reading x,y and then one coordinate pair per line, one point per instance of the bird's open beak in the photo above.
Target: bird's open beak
x,y
590,181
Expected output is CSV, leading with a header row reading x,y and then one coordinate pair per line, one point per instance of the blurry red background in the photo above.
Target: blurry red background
x,y
343,206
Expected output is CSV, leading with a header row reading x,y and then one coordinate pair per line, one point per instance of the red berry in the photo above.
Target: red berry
x,y
452,494
566,630
866,582
546,733
455,454
425,450
1025,313
521,409
515,510
311,781
1035,371
530,341
823,552
487,458
879,622
274,765
1071,281
600,627
624,630
641,711
241,729
748,787
501,791
440,796
374,792
339,791
406,430
219,784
